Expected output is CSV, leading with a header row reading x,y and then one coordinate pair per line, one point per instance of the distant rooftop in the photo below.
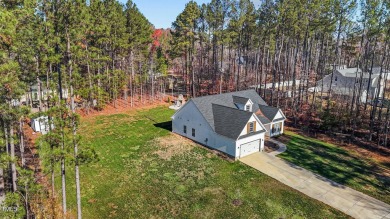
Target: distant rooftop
x,y
353,72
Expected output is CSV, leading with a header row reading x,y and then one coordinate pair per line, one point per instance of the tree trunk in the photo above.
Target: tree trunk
x,y
12,154
74,128
21,142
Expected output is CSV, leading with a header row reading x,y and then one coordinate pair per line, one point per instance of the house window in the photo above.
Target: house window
x,y
193,132
251,127
335,79
185,129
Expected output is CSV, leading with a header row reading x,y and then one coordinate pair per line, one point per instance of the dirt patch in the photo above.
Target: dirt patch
x,y
123,106
237,202
172,145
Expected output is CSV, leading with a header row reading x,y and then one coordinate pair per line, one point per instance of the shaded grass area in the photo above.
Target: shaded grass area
x,y
339,165
132,181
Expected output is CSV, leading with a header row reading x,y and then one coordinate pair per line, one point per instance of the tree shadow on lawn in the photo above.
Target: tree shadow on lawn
x,y
164,125
337,165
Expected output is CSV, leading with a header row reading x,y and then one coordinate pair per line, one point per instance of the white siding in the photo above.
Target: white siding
x,y
259,127
278,116
249,139
250,104
243,106
240,142
345,85
190,116
267,127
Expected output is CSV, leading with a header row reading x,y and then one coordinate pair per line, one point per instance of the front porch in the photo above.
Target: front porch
x,y
275,128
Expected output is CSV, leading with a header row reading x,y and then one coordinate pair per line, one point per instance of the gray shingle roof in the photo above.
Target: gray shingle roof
x,y
268,111
223,116
240,100
280,119
261,117
251,134
355,72
226,99
228,121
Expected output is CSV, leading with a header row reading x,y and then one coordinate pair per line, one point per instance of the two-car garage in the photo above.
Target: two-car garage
x,y
250,147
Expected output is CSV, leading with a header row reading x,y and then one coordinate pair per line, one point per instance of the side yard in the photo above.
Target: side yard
x,y
346,167
144,171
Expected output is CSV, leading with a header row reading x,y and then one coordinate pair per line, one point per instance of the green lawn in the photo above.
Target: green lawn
x,y
141,175
339,165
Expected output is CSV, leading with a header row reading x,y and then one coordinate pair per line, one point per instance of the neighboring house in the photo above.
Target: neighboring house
x,y
41,124
34,96
234,123
346,81
178,103
284,87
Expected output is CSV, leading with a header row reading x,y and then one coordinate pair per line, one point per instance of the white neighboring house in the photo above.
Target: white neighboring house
x,y
346,80
284,87
33,94
234,123
41,124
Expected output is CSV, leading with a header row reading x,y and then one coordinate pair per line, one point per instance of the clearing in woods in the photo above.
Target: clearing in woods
x,y
146,171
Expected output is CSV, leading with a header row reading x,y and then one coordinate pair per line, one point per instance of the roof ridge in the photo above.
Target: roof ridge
x,y
231,108
236,95
211,95
268,106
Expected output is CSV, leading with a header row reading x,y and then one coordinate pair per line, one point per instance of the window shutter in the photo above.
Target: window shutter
x,y
248,128
254,126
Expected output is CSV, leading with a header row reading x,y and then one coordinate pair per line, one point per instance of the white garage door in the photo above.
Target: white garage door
x,y
249,148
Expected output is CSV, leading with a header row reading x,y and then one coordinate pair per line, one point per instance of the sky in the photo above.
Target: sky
x,y
161,13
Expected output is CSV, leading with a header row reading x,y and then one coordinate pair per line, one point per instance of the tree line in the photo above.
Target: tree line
x,y
229,45
84,54
87,54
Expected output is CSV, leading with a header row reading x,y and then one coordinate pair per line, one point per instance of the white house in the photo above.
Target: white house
x,y
284,87
34,96
41,124
346,81
234,123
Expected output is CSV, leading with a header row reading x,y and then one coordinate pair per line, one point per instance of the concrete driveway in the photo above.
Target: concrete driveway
x,y
347,200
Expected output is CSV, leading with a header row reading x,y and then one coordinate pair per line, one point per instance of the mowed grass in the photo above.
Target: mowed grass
x,y
339,165
132,180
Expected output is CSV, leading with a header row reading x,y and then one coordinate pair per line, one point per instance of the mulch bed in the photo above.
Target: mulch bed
x,y
270,146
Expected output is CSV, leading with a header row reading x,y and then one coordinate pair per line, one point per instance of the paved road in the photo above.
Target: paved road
x,y
347,200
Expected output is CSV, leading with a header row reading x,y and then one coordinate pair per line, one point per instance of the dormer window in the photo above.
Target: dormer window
x,y
248,107
251,127
242,103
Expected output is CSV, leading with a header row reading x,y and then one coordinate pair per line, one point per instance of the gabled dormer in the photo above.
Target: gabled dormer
x,y
243,103
249,106
253,126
